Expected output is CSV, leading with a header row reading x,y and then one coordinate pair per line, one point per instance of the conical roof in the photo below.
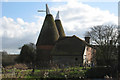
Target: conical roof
x,y
59,26
49,33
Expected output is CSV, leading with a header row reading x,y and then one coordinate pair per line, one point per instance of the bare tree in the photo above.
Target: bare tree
x,y
103,34
105,38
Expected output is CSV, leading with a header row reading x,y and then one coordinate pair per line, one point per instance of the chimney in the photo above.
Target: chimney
x,y
87,39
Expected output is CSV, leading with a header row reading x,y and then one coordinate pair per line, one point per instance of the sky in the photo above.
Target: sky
x,y
21,23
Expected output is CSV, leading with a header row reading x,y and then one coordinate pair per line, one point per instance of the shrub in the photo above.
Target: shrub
x,y
98,72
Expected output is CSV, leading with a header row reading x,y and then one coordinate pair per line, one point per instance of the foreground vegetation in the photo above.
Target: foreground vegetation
x,y
72,72
69,72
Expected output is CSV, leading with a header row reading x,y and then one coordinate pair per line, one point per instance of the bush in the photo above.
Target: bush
x,y
98,72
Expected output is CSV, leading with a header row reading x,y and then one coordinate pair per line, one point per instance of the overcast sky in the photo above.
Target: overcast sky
x,y
21,23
